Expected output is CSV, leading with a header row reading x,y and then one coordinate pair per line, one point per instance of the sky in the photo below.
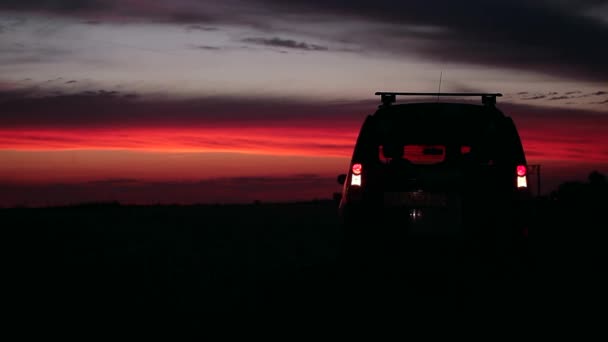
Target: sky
x,y
191,101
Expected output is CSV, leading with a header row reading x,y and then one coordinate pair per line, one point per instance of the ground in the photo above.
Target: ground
x,y
271,258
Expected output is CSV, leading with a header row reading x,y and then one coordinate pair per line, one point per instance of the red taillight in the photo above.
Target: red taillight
x,y
522,181
521,170
355,179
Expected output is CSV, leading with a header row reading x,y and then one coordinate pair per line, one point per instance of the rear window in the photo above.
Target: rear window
x,y
417,154
439,134
425,141
421,154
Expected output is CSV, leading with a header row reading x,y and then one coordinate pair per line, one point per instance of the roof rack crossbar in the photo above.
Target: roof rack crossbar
x,y
388,97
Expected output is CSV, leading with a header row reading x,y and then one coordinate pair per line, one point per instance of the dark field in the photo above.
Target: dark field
x,y
271,258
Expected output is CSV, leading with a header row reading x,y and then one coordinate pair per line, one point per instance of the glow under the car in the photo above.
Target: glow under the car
x,y
355,180
415,214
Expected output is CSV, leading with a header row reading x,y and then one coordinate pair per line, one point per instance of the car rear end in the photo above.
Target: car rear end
x,y
434,177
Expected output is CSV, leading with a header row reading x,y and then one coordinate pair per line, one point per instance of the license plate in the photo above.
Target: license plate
x,y
415,199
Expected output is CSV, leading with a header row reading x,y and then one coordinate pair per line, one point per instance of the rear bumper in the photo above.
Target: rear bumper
x,y
482,223
488,230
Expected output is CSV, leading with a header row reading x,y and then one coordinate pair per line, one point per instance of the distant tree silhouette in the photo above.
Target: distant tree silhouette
x,y
592,193
597,179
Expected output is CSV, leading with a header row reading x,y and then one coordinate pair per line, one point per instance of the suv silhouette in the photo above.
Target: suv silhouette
x,y
436,174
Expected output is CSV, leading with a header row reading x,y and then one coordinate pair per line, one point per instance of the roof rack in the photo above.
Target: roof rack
x,y
388,97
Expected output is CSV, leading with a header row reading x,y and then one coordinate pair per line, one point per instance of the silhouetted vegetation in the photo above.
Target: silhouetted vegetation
x,y
591,193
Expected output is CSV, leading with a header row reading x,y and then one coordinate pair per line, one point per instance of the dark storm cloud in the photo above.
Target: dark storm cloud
x,y
97,11
56,5
12,95
558,38
33,108
285,43
548,37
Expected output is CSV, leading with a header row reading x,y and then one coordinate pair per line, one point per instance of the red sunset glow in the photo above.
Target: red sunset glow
x,y
310,141
248,92
182,154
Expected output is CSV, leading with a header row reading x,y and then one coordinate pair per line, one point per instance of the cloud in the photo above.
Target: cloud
x,y
554,96
107,119
111,120
535,97
18,53
9,25
519,35
11,94
206,47
56,5
285,43
556,38
110,108
97,11
196,27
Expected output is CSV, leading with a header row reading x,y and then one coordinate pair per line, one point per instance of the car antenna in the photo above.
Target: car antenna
x,y
439,90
